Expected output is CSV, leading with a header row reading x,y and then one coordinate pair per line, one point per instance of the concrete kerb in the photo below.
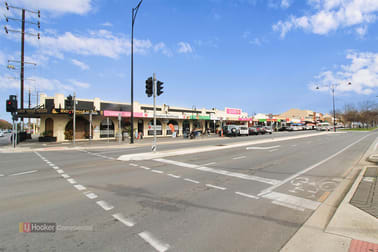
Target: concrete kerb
x,y
319,233
185,151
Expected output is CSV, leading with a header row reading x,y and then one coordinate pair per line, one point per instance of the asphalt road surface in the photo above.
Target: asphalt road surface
x,y
211,197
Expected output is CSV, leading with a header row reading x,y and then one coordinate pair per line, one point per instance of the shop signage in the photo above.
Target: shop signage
x,y
31,111
78,112
245,119
199,117
233,111
123,113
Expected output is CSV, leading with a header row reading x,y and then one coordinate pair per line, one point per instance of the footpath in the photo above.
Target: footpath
x,y
347,220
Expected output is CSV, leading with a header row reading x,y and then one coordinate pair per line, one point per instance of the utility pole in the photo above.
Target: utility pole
x,y
23,21
133,16
90,126
154,87
74,119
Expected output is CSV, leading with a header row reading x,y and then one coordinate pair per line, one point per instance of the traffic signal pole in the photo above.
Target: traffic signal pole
x,y
154,88
74,119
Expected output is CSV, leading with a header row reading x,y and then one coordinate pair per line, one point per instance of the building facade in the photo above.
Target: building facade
x,y
97,119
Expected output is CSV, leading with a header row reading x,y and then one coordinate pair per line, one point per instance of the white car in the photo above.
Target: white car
x,y
243,131
1,133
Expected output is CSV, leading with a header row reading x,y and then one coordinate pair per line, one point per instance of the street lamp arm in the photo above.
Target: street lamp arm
x,y
135,11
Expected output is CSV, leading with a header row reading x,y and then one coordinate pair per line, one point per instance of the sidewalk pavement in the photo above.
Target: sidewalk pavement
x,y
34,145
339,226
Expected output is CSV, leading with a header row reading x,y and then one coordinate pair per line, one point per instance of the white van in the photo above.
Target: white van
x,y
323,126
243,131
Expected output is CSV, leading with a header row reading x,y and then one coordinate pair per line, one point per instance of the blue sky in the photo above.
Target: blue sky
x,y
263,56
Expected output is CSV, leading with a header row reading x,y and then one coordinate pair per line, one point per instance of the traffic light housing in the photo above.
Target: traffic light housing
x,y
11,104
68,102
70,113
149,87
159,88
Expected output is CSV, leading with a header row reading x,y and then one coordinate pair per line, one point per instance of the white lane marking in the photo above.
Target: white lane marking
x,y
217,171
157,171
105,205
273,150
90,195
1,175
241,157
51,164
60,171
186,151
216,187
155,243
291,200
144,167
280,203
80,187
212,163
174,176
121,218
65,175
55,167
247,195
268,190
191,180
71,181
22,173
263,148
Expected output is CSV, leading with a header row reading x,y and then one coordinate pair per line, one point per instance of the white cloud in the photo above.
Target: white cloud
x,y
331,15
80,64
80,84
98,43
161,47
285,4
67,6
108,24
362,72
361,31
185,47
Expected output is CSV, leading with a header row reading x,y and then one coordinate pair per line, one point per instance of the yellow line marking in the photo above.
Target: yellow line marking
x,y
324,197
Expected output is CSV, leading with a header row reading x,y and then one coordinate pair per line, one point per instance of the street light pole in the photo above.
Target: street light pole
x,y
134,13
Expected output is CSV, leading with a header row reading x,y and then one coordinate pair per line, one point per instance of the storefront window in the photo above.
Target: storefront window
x,y
106,128
172,124
159,130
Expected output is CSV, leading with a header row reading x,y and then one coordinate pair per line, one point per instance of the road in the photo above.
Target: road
x,y
240,194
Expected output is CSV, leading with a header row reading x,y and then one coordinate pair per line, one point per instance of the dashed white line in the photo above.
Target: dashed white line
x,y
80,187
121,218
247,195
241,157
105,205
157,171
144,167
90,195
212,163
262,148
65,175
174,176
273,150
1,175
155,243
71,181
60,171
55,167
22,173
191,180
216,187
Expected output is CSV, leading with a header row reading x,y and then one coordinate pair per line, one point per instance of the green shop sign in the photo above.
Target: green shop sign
x,y
199,117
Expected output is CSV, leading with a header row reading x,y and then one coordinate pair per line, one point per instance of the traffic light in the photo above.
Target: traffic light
x,y
70,113
149,87
69,102
11,104
159,88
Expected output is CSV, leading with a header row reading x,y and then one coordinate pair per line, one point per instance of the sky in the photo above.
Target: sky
x,y
262,56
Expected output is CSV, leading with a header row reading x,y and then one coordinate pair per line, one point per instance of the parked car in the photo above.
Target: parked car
x,y
323,127
253,131
261,129
230,130
243,131
283,128
1,133
268,130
